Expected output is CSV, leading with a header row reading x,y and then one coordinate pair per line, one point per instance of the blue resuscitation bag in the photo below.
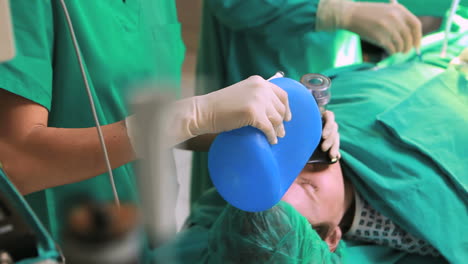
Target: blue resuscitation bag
x,y
253,175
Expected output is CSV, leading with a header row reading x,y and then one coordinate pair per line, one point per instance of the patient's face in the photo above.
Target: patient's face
x,y
318,193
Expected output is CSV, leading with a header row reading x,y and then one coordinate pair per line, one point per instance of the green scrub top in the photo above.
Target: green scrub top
x,y
122,43
244,38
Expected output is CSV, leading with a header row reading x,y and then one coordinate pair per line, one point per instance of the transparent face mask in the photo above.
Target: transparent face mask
x,y
319,85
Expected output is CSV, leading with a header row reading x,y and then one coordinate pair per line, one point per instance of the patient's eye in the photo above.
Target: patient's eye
x,y
302,181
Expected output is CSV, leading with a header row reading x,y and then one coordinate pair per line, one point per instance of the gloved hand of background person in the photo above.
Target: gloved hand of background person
x,y
253,101
461,62
461,59
388,25
330,135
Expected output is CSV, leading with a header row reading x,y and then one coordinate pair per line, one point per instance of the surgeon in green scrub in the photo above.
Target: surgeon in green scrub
x,y
49,146
240,38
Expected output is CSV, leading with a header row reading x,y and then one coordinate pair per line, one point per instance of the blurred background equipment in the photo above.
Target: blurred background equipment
x,y
23,239
17,239
156,173
319,85
102,233
5,258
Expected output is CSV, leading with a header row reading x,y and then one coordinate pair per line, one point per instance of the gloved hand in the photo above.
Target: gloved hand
x,y
461,62
330,135
388,25
461,59
254,101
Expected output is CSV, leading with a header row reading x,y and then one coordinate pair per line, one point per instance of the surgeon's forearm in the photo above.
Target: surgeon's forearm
x,y
50,156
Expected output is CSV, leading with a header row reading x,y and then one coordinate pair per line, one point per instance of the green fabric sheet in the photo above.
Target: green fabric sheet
x,y
46,249
403,139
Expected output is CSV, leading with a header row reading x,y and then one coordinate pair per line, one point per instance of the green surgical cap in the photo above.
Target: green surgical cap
x,y
278,235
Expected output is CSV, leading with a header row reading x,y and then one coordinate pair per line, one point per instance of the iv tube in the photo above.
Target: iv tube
x,y
448,25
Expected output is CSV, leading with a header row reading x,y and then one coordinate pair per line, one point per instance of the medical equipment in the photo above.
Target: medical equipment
x,y
23,239
319,86
253,175
7,45
100,233
5,258
91,101
157,179
17,240
448,25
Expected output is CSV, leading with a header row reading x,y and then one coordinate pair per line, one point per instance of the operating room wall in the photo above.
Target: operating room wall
x,y
189,12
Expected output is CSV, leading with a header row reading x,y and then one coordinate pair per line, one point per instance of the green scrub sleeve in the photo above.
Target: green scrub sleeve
x,y
267,17
29,73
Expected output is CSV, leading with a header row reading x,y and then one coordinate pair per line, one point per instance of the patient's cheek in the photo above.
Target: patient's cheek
x,y
292,197
296,197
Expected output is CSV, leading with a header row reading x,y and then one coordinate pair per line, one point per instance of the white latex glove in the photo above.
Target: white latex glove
x,y
330,135
388,25
254,101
